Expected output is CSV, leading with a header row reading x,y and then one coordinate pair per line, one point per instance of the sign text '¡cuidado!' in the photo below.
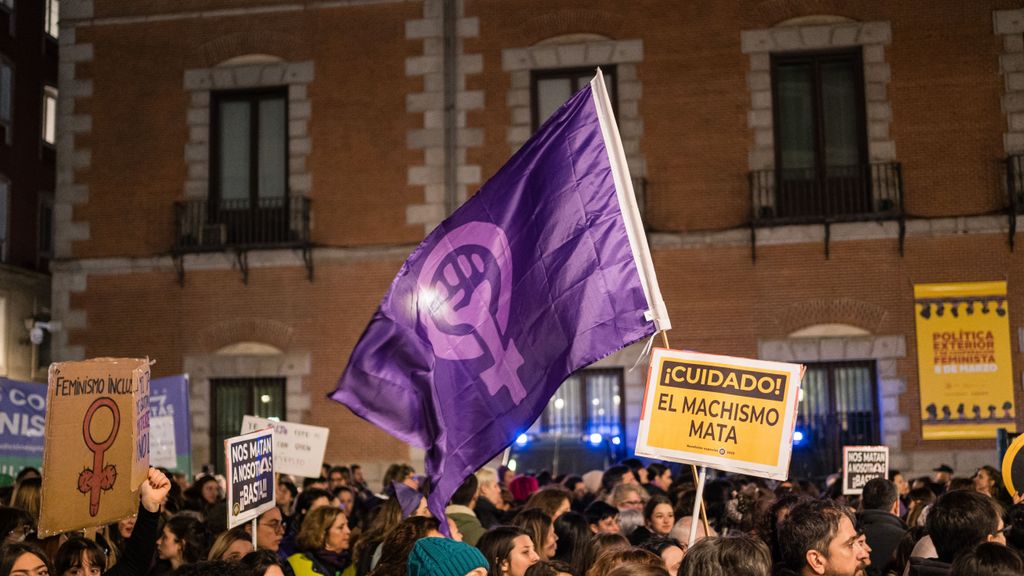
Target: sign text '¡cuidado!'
x,y
252,470
724,380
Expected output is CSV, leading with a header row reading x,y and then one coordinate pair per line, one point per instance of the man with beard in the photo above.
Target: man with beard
x,y
818,538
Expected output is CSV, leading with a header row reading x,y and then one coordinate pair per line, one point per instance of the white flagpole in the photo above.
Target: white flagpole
x,y
658,313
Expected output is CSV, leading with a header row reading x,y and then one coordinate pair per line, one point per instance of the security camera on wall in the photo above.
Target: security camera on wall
x,y
37,333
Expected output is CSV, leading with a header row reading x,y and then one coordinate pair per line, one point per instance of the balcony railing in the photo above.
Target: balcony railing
x,y
838,194
866,192
239,225
1015,192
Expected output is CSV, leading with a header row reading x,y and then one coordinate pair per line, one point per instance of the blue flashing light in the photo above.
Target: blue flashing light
x,y
616,440
798,437
596,439
522,440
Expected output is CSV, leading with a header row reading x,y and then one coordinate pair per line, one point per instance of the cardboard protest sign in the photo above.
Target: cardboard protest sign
x,y
298,448
1013,466
97,442
861,464
732,414
170,434
22,421
250,475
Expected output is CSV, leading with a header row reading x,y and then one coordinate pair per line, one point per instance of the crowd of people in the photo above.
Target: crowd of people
x,y
627,520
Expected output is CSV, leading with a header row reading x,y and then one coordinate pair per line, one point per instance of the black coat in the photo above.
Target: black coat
x,y
929,567
883,532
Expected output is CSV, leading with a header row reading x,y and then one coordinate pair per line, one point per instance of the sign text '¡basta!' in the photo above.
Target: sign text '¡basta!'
x,y
252,463
723,380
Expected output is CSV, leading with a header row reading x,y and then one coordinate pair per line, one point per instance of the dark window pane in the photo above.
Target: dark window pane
x,y
795,93
551,93
234,135
272,156
233,398
551,88
840,102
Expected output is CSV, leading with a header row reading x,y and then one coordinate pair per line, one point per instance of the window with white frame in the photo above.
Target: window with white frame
x,y
50,115
552,88
51,18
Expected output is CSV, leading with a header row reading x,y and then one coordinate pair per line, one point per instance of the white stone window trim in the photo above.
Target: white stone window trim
x,y
295,367
1010,25
885,350
200,82
626,55
430,103
761,44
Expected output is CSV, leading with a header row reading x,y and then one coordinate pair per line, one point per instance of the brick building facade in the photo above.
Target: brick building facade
x,y
245,178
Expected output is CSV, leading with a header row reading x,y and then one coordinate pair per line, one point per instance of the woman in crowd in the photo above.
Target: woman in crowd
x,y
80,557
322,543
310,499
989,482
541,530
444,557
509,551
658,516
571,547
25,559
185,540
918,500
203,495
262,563
552,501
670,551
399,542
631,556
26,496
601,544
231,545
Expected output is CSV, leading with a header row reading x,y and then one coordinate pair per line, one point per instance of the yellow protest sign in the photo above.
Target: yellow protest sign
x,y
733,414
963,359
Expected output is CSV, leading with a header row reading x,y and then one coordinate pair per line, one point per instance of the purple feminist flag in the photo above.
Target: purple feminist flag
x,y
543,272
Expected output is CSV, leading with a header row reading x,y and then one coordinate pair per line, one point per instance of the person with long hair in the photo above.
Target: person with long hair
x,y
670,551
571,547
25,559
387,516
310,499
231,545
27,496
509,551
601,544
262,563
541,530
185,540
202,495
323,544
989,482
917,501
398,544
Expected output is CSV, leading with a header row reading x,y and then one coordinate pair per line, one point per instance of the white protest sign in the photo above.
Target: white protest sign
x,y
163,452
298,448
861,464
250,475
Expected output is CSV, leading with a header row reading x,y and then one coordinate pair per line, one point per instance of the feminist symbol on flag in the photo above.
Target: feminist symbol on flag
x,y
465,292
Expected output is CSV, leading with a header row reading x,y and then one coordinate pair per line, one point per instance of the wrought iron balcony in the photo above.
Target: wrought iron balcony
x,y
865,192
241,226
1015,192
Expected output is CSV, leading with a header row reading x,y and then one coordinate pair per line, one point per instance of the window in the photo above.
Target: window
x,y
7,100
233,398
7,5
50,19
588,402
551,88
50,115
838,407
248,201
820,135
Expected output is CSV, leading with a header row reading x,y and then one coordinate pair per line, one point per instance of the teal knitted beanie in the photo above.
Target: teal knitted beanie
x,y
443,557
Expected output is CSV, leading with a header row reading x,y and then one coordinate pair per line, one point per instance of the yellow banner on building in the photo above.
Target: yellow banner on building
x,y
732,414
964,362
